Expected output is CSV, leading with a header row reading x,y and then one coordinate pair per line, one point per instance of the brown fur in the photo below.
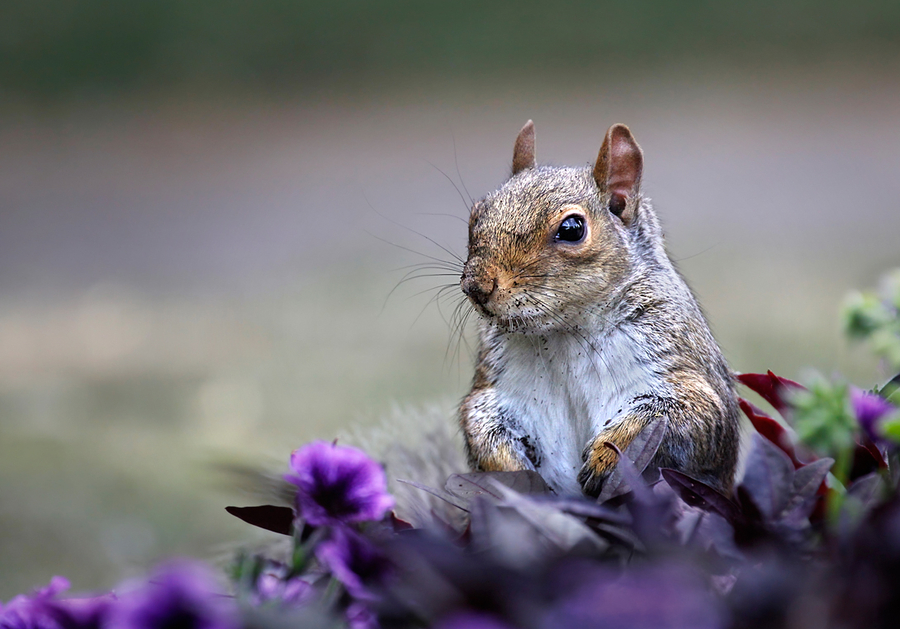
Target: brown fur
x,y
530,288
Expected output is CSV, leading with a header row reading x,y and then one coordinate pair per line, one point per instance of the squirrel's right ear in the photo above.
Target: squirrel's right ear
x,y
523,153
619,167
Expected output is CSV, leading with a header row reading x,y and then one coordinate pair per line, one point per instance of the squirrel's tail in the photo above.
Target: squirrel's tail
x,y
419,444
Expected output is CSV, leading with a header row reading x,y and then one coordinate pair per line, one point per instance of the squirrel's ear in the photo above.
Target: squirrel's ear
x,y
619,166
523,153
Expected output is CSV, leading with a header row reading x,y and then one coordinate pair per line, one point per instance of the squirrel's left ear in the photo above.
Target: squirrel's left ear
x,y
618,168
523,152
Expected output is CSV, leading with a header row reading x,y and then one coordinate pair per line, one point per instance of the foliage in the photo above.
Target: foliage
x,y
873,316
810,537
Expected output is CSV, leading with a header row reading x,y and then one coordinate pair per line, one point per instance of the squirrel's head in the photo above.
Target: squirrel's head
x,y
552,243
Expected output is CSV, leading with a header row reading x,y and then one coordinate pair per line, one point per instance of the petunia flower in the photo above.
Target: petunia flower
x,y
179,594
360,616
291,592
43,610
338,485
354,561
30,611
870,409
81,613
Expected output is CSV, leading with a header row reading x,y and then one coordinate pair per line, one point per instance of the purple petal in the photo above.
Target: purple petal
x,y
272,587
182,593
82,613
338,485
33,611
360,616
869,408
354,561
57,584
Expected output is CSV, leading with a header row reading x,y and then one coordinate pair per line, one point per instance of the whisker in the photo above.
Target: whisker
x,y
446,265
434,298
410,276
439,289
410,229
418,253
459,218
452,183
586,344
459,174
699,253
459,334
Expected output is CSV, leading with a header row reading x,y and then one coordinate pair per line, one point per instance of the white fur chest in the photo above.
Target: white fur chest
x,y
563,390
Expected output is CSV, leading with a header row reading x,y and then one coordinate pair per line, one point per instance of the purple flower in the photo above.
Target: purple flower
x,y
360,616
82,613
869,408
338,485
31,612
181,594
42,610
354,561
292,592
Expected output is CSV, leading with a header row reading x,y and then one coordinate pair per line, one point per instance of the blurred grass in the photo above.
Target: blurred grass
x,y
108,441
55,48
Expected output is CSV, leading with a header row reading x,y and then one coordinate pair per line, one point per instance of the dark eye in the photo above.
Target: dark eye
x,y
571,229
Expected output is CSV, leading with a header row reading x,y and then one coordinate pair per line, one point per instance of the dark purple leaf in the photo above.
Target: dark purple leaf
x,y
434,492
809,478
867,489
621,535
773,389
504,534
590,510
701,495
565,532
468,486
640,451
631,478
808,488
769,477
268,517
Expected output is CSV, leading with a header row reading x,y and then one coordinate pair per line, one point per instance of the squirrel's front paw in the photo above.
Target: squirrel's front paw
x,y
504,457
599,462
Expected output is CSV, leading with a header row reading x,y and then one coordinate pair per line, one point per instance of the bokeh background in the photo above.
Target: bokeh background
x,y
205,206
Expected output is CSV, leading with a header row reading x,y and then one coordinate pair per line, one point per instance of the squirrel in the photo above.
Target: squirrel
x,y
587,333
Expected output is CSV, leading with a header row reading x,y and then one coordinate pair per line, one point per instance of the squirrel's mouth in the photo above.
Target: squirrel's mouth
x,y
515,323
518,318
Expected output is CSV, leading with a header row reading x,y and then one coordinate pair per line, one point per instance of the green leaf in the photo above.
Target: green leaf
x,y
890,428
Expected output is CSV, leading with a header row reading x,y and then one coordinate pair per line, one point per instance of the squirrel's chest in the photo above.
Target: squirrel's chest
x,y
563,390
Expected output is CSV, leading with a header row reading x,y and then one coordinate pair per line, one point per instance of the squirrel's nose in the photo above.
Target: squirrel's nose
x,y
479,290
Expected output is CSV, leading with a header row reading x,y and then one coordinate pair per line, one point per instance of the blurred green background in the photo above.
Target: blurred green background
x,y
195,198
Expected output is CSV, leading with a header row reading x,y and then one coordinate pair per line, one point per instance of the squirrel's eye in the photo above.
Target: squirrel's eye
x,y
571,229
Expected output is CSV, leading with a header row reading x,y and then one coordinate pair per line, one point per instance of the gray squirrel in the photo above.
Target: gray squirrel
x,y
587,333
